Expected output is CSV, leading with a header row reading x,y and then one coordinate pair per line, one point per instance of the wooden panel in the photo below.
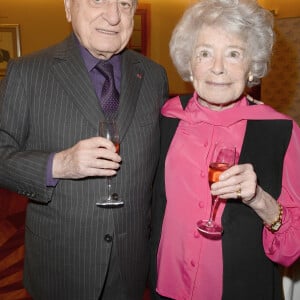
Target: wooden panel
x,y
281,88
12,217
140,34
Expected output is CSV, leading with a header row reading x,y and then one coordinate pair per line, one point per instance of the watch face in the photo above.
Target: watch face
x,y
276,226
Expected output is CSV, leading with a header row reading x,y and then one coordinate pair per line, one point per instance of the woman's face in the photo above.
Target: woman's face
x,y
219,67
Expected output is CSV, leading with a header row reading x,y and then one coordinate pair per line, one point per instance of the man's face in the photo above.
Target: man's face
x,y
103,27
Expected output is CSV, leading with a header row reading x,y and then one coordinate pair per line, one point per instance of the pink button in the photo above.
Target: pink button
x,y
201,204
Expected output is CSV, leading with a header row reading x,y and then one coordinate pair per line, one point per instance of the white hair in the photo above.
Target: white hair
x,y
246,18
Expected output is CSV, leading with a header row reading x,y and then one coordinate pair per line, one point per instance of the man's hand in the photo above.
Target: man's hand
x,y
91,157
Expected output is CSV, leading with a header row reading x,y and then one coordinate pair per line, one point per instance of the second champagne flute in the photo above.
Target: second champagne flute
x,y
223,158
109,130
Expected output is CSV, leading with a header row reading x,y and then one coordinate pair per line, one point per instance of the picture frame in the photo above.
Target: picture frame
x,y
10,46
140,35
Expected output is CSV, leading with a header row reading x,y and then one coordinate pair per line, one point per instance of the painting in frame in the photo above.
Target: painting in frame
x,y
9,45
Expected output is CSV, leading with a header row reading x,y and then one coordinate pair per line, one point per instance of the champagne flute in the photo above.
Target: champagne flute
x,y
109,130
223,158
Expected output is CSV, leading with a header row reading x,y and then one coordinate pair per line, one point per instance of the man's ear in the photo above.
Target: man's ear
x,y
68,10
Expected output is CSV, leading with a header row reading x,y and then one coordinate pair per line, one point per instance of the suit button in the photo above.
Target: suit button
x,y
108,238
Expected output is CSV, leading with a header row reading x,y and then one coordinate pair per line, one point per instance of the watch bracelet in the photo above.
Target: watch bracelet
x,y
278,220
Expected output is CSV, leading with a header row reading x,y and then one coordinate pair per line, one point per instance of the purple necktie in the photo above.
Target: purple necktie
x,y
110,96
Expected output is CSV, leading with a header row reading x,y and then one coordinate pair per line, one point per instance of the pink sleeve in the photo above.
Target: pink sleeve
x,y
283,247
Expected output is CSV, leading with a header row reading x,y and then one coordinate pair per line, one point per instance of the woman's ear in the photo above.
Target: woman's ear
x,y
250,77
191,73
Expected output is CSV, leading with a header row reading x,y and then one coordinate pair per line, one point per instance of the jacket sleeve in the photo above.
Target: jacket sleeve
x,y
21,170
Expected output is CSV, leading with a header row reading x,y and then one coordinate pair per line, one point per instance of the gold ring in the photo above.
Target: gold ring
x,y
238,193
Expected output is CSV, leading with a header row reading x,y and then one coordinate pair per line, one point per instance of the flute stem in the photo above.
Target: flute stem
x,y
108,188
212,211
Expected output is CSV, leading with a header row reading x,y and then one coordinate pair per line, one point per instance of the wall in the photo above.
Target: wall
x,y
164,16
283,9
42,23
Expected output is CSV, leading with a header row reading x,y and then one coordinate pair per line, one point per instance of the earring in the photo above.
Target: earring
x,y
250,78
191,78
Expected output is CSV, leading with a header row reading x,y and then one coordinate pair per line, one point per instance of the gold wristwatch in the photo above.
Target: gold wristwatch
x,y
277,223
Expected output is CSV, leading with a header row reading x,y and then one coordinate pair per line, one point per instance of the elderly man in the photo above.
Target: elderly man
x,y
51,105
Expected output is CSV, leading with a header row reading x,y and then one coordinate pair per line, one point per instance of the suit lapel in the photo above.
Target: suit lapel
x,y
70,71
131,82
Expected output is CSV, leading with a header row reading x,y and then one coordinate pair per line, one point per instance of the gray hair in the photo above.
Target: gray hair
x,y
246,18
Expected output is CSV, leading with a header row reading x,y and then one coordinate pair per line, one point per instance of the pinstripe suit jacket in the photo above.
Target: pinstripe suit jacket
x,y
47,103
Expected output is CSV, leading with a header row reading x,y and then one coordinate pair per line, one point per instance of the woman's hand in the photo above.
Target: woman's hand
x,y
238,182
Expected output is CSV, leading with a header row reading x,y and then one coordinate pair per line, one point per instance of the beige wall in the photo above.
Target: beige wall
x,y
164,16
42,23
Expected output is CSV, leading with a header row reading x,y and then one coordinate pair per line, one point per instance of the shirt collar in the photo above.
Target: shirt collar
x,y
91,61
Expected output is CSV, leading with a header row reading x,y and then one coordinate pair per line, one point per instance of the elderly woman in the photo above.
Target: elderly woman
x,y
221,47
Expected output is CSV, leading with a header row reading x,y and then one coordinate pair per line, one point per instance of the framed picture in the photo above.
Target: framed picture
x,y
9,44
140,34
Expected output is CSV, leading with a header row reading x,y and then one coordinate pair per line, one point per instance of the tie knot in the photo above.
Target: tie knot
x,y
106,69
